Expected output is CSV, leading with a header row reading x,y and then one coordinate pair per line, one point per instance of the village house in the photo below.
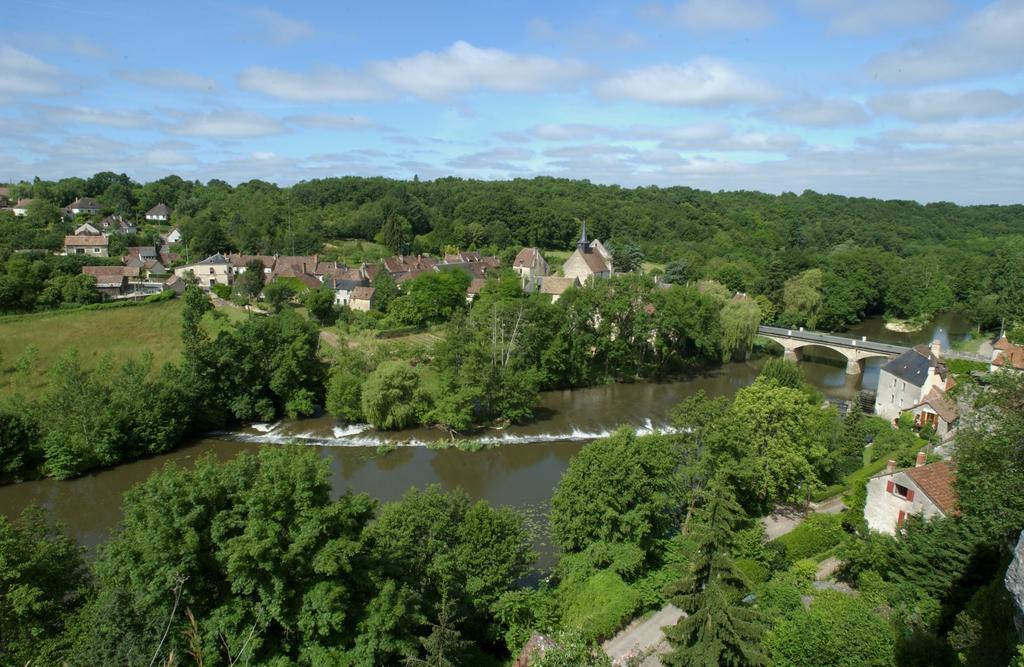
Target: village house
x,y
143,251
344,286
173,236
361,299
473,291
96,246
159,213
86,229
82,206
531,267
20,209
215,269
1006,356
938,411
589,260
906,381
116,224
240,263
925,489
555,287
112,280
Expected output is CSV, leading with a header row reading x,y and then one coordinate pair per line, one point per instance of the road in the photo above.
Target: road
x,y
645,637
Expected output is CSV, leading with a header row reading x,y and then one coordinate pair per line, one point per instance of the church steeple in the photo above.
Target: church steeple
x,y
583,245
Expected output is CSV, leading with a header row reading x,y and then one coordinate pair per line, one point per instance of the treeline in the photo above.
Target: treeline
x,y
260,368
874,256
250,560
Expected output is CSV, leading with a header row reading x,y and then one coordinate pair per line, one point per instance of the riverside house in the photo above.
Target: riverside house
x,y
925,489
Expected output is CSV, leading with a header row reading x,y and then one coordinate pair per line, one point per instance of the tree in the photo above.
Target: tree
x,y
320,304
345,384
620,489
717,628
249,284
396,233
740,319
278,294
19,442
802,298
42,583
837,629
626,257
389,396
385,291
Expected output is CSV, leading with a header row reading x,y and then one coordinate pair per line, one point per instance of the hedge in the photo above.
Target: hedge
x,y
818,533
600,605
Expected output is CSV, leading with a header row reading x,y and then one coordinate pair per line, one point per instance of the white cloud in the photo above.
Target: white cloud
x,y
226,124
999,134
462,68
933,105
282,30
864,17
22,73
708,15
173,79
564,132
92,116
322,84
825,112
989,42
500,159
328,121
702,82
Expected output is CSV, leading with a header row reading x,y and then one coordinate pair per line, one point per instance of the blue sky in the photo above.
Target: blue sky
x,y
905,99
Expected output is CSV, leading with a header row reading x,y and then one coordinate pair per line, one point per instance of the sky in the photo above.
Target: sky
x,y
899,99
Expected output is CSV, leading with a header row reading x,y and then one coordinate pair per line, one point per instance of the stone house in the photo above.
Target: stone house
x,y
905,381
215,269
893,495
115,224
531,267
159,213
112,280
20,209
82,206
361,299
937,411
344,287
589,260
96,246
173,236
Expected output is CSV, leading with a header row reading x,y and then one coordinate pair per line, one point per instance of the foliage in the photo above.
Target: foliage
x,y
345,384
620,489
815,534
320,304
835,630
388,397
599,605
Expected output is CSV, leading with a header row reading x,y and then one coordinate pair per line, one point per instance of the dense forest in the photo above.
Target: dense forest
x,y
839,258
252,561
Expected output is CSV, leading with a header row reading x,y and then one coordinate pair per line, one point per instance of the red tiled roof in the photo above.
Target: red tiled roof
x,y
86,240
936,480
1008,353
362,293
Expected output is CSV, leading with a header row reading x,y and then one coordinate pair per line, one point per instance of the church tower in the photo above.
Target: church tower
x,y
583,245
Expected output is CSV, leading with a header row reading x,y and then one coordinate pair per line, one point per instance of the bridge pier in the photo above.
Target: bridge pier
x,y
854,366
791,355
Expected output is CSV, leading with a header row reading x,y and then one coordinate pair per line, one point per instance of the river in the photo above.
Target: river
x,y
521,472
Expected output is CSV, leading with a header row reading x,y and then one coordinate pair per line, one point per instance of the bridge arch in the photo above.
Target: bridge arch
x,y
853,350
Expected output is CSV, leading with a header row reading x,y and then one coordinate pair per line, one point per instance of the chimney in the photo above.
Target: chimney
x,y
890,467
937,349
921,458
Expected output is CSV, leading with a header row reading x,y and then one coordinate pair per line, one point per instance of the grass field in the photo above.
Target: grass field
x,y
121,332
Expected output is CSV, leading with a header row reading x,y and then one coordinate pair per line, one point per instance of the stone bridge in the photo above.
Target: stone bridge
x,y
856,350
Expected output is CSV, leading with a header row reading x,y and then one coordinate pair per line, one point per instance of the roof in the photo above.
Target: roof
x,y
1008,353
83,230
159,209
362,293
23,203
215,258
475,285
555,285
344,283
239,260
111,274
142,250
84,202
912,366
525,257
936,480
941,404
595,262
86,240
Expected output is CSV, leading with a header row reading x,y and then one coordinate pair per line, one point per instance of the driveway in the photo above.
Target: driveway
x,y
643,637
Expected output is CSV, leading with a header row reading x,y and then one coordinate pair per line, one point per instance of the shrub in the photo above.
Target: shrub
x,y
223,291
818,533
754,572
599,605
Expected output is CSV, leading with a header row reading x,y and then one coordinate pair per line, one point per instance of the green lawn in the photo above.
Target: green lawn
x,y
354,251
121,332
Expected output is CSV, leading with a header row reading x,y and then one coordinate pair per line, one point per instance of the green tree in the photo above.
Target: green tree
x,y
320,304
620,489
389,396
345,384
278,294
740,319
802,298
249,284
718,628
385,291
43,581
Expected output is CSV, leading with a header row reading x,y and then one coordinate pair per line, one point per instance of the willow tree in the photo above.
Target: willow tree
x,y
740,318
802,297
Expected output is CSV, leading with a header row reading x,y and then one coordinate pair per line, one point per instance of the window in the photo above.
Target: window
x,y
901,490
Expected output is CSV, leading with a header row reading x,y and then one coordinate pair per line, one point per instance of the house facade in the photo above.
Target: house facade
x,y
95,246
588,261
907,380
926,489
112,280
361,299
215,269
531,267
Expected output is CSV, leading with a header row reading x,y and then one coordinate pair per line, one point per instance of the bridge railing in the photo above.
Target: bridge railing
x,y
832,339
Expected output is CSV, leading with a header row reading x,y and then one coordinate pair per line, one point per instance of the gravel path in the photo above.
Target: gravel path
x,y
643,637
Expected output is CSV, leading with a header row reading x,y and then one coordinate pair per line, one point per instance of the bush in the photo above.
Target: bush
x,y
223,291
827,492
165,295
818,533
599,605
754,572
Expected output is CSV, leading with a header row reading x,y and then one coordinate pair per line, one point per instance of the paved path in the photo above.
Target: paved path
x,y
642,637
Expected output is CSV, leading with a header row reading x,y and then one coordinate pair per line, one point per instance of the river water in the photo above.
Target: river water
x,y
521,472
